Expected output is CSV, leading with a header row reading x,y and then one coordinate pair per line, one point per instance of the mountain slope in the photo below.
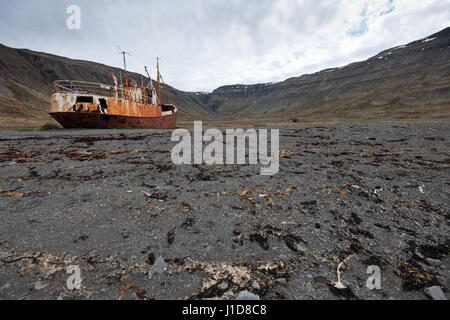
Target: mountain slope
x,y
411,81
406,82
26,79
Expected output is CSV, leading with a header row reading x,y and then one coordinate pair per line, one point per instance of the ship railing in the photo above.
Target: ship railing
x,y
93,88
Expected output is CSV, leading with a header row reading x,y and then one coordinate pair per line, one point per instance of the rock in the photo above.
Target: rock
x,y
245,295
435,293
5,286
321,279
433,262
223,286
301,250
417,253
309,287
426,267
160,266
255,285
39,285
281,281
441,280
59,298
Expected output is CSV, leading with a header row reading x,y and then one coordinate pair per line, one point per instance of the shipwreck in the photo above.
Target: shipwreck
x,y
79,104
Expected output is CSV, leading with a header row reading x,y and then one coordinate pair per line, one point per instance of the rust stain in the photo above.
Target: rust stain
x,y
79,104
67,102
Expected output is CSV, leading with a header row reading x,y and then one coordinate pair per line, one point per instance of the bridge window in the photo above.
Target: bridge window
x,y
85,99
103,103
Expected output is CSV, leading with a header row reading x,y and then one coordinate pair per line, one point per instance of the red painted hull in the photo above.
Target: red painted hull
x,y
89,120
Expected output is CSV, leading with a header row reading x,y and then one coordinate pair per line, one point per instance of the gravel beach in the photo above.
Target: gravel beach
x,y
112,203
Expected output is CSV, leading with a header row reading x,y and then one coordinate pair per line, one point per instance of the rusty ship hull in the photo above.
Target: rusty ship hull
x,y
87,120
77,104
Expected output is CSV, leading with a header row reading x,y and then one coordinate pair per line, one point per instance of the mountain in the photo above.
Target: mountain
x,y
26,79
406,82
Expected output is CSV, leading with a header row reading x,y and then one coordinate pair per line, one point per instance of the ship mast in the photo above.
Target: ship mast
x,y
149,76
123,53
158,83
152,88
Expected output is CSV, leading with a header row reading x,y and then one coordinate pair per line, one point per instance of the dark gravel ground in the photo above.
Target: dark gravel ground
x,y
112,202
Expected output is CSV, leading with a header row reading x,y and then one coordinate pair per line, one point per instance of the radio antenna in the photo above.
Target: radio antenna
x,y
123,53
149,76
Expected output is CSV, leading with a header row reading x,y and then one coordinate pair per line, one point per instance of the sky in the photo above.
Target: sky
x,y
204,44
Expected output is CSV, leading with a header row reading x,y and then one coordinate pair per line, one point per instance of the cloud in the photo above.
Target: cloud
x,y
207,43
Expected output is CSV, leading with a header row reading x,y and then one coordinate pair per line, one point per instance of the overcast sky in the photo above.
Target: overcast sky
x,y
209,43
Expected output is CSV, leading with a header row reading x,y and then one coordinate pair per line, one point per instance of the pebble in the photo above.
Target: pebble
x,y
5,286
160,266
255,285
435,293
301,250
441,280
223,286
419,254
39,285
281,281
433,262
245,295
321,279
